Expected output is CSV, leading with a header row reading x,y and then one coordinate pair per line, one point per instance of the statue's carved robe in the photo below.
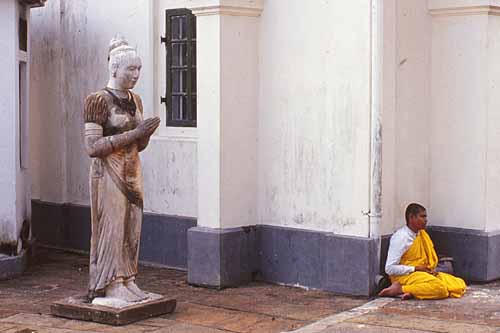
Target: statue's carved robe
x,y
116,192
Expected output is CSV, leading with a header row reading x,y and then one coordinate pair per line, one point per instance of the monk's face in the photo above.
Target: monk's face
x,y
418,222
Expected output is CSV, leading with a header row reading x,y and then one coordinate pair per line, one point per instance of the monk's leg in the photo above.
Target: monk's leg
x,y
455,285
423,285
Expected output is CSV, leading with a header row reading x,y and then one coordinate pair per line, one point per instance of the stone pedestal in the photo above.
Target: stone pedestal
x,y
80,309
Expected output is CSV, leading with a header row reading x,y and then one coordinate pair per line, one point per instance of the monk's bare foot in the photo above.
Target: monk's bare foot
x,y
395,289
118,290
406,296
132,287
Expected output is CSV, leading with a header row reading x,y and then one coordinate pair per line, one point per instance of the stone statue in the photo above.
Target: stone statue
x,y
115,133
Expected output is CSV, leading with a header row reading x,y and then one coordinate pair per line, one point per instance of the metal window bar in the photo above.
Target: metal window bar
x,y
182,36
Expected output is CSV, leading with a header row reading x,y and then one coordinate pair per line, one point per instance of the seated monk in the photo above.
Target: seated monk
x,y
412,260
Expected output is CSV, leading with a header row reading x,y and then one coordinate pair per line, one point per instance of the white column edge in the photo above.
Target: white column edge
x,y
466,11
226,10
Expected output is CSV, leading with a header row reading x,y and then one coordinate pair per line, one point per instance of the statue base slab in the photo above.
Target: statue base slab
x,y
79,308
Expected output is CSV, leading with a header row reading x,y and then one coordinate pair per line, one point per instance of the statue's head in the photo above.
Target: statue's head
x,y
124,63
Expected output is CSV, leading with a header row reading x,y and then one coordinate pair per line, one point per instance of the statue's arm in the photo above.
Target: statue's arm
x,y
142,142
95,116
98,145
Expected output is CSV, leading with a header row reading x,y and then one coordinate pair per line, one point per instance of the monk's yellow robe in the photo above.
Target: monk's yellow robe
x,y
423,285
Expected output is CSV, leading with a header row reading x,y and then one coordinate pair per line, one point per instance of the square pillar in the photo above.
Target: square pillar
x,y
15,183
465,140
14,105
227,64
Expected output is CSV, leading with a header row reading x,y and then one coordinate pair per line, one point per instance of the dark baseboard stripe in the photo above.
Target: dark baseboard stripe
x,y
319,260
476,253
163,237
13,266
230,257
222,257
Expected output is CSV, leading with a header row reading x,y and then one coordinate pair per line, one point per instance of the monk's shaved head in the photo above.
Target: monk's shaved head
x,y
413,209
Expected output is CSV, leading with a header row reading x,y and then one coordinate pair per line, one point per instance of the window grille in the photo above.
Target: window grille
x,y
180,45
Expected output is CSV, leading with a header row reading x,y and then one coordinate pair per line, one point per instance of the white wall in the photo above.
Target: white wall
x,y
69,62
313,108
493,126
458,121
441,140
14,90
227,123
47,131
465,136
313,111
406,106
314,115
8,111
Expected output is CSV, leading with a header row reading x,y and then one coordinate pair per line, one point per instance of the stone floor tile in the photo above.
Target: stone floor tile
x,y
6,313
478,306
158,322
136,328
276,325
201,315
243,322
188,328
28,329
46,322
4,327
362,328
419,323
31,318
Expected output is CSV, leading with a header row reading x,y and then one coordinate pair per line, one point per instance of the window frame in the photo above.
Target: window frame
x,y
190,41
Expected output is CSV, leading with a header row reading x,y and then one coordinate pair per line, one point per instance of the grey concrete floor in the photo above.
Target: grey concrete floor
x,y
258,307
477,312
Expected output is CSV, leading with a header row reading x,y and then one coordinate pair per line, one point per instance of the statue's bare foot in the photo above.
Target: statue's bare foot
x,y
118,290
395,289
132,287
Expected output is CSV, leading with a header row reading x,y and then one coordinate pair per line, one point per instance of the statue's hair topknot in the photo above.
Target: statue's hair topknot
x,y
119,50
116,42
119,45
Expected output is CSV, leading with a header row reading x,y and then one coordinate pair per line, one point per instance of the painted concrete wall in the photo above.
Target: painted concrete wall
x,y
8,110
239,82
440,112
21,147
47,131
313,112
465,177
72,56
406,107
464,119
314,115
227,123
314,118
14,181
458,121
493,126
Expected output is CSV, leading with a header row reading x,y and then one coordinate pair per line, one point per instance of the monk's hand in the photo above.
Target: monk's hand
x,y
424,269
